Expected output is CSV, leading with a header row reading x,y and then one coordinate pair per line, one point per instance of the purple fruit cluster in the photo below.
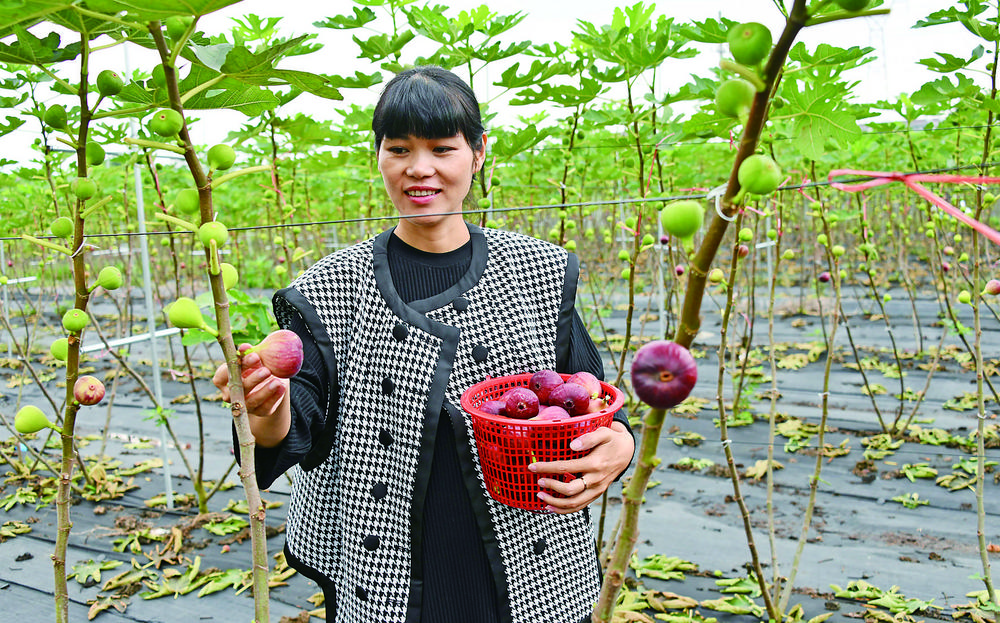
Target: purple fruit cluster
x,y
549,397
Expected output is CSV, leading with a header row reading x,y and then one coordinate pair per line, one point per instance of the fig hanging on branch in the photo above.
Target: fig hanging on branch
x,y
663,374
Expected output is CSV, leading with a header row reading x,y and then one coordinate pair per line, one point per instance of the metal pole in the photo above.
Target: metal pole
x,y
147,289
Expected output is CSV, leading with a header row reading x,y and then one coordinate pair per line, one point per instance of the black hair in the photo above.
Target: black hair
x,y
428,102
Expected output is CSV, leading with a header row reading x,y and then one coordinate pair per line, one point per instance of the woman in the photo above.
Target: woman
x,y
389,514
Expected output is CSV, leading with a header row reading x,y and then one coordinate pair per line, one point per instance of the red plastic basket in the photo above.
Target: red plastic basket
x,y
507,446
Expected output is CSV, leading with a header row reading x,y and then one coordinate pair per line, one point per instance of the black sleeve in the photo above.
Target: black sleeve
x,y
309,390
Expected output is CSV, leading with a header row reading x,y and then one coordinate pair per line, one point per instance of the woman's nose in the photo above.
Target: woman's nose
x,y
420,165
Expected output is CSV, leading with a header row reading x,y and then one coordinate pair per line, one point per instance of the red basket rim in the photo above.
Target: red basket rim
x,y
618,399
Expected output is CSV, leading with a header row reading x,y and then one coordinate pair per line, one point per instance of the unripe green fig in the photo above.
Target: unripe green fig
x,y
716,275
109,83
759,175
84,188
772,234
62,227
166,122
648,240
570,245
75,319
837,250
95,154
185,314
160,76
484,202
30,419
964,297
230,276
821,239
221,157
213,230
682,219
749,43
734,97
746,234
623,255
177,25
626,273
60,349
55,117
110,278
852,5
186,201
788,255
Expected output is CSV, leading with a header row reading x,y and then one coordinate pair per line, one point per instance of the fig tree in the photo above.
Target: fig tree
x,y
166,122
663,374
109,83
759,175
749,43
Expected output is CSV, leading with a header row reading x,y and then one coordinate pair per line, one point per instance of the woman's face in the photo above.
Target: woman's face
x,y
428,176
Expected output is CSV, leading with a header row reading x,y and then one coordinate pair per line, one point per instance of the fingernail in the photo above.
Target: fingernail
x,y
532,468
576,444
543,483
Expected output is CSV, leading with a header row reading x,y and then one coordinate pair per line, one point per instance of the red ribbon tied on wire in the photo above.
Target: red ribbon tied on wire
x,y
912,181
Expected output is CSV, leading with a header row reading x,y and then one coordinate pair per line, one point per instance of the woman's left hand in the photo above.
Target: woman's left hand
x,y
609,451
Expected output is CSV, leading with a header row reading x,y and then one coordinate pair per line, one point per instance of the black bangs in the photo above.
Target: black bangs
x,y
427,102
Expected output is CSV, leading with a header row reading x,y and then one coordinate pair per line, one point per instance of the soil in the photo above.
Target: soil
x,y
861,531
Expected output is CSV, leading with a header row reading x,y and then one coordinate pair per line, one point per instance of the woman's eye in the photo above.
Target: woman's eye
x,y
396,150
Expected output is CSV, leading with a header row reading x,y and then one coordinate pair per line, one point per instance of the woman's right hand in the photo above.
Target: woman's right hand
x,y
264,395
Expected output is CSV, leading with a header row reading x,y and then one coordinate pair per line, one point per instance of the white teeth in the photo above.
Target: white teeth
x,y
421,193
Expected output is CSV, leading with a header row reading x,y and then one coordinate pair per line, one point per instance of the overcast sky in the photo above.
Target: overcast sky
x,y
897,45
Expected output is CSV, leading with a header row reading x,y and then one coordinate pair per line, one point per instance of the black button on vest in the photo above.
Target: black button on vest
x,y
385,438
388,386
361,593
460,304
400,331
539,546
380,490
480,352
371,542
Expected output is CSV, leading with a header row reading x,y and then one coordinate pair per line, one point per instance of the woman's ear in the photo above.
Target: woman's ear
x,y
480,157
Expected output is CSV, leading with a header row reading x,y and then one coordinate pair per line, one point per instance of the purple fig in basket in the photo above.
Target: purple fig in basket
x,y
552,413
663,374
543,382
520,403
589,382
572,397
280,352
493,407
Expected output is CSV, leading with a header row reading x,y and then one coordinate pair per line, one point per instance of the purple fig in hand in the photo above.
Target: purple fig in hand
x,y
663,374
280,352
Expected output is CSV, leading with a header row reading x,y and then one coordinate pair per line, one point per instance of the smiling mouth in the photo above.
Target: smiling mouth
x,y
421,193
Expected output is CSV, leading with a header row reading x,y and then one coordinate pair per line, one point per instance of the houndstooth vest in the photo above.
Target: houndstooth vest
x,y
354,519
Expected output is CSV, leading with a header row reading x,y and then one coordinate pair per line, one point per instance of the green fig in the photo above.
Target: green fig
x,y
30,419
213,230
221,157
95,154
75,319
60,349
84,188
186,201
749,43
55,117
230,276
110,278
682,219
109,83
185,314
62,227
166,122
759,175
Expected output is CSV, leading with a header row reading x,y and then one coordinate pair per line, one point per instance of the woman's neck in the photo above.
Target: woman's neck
x,y
439,239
